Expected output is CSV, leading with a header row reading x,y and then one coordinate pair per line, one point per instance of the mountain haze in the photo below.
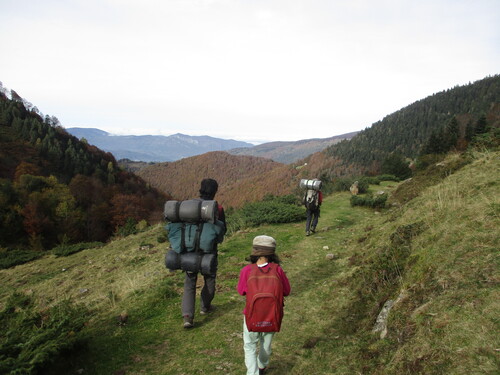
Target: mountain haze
x,y
154,148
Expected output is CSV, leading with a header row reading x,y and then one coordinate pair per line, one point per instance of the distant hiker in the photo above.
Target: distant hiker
x,y
265,284
312,201
208,189
354,188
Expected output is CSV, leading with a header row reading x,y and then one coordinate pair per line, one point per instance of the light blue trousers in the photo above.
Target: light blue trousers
x,y
256,359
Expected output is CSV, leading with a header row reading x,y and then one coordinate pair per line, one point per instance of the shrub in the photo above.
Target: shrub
x,y
142,225
31,340
377,201
12,258
162,238
285,199
371,180
271,210
387,177
425,161
130,227
363,185
342,183
64,250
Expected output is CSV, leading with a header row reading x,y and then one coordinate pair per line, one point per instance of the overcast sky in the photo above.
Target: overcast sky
x,y
250,70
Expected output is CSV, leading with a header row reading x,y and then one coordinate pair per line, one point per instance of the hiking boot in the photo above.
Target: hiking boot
x,y
188,322
262,371
210,310
313,230
308,233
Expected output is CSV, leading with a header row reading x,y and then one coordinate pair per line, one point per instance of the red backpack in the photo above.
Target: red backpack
x,y
264,304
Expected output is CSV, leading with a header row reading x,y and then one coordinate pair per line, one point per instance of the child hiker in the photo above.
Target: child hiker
x,y
265,284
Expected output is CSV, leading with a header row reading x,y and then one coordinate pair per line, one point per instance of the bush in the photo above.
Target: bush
x,y
388,177
66,249
363,185
425,161
371,180
12,258
162,238
342,183
271,210
285,199
130,227
141,225
377,201
31,340
258,213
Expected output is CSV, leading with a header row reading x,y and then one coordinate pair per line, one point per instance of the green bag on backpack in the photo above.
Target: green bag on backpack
x,y
189,237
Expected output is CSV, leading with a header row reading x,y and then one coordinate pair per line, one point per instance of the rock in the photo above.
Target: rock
x,y
122,318
331,256
354,189
326,248
381,322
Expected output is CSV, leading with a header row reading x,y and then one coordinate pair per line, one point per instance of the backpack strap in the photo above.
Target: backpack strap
x,y
197,239
183,238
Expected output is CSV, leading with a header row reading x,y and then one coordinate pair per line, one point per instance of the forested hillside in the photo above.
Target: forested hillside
x,y
241,178
56,189
406,131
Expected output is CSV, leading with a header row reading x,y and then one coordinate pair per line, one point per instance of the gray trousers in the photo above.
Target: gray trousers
x,y
312,219
189,297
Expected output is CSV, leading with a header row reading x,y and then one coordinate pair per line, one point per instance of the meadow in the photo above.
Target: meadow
x,y
435,256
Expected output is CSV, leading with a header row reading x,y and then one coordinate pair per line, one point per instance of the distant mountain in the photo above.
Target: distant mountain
x,y
154,148
289,152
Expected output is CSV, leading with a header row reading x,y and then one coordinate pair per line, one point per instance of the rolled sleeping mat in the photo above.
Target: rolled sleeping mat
x,y
193,210
208,264
172,260
310,184
190,262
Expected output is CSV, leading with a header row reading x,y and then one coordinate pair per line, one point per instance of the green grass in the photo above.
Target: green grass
x,y
437,255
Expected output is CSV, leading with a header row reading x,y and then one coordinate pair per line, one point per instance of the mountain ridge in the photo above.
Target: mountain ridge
x,y
291,151
154,148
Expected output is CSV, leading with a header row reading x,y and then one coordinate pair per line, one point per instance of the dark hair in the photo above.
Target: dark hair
x,y
208,188
273,258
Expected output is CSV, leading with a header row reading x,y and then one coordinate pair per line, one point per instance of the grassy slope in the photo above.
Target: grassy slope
x,y
438,254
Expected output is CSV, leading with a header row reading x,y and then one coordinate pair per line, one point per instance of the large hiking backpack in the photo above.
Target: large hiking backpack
x,y
311,199
194,237
193,233
264,300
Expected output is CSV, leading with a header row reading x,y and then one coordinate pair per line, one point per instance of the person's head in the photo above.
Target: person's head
x,y
208,188
264,246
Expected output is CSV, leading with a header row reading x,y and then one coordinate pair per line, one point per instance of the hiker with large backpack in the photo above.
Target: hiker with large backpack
x,y
312,200
196,227
264,283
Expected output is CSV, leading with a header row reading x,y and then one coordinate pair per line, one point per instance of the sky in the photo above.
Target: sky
x,y
249,70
